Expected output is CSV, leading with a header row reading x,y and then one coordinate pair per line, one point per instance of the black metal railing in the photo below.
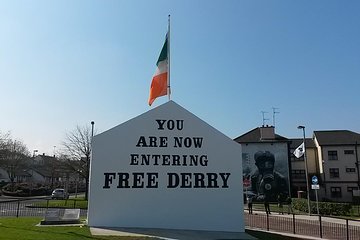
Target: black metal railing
x,y
36,207
316,226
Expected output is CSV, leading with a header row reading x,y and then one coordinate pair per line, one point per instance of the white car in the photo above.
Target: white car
x,y
59,193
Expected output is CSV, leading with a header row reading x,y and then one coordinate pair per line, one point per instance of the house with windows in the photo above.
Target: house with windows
x,y
4,176
332,156
338,154
265,163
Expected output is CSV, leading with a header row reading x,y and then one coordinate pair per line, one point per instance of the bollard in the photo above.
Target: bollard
x,y
321,235
294,223
18,208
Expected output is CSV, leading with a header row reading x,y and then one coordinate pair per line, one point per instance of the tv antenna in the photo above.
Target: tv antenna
x,y
263,117
274,112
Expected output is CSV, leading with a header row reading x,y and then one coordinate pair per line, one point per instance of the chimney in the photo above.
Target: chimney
x,y
267,132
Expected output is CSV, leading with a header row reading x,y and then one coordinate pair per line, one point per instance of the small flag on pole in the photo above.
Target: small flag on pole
x,y
159,83
299,151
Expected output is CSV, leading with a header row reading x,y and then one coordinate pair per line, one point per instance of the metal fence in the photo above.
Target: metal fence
x,y
36,207
315,226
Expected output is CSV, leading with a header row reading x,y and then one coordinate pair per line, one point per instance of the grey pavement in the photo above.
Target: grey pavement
x,y
293,236
170,234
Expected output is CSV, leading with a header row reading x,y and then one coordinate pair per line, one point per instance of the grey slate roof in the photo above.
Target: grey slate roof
x,y
295,142
254,136
337,137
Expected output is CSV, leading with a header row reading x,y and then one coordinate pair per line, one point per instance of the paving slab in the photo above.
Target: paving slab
x,y
170,234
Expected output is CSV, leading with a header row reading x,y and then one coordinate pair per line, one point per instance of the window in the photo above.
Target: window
x,y
334,172
335,192
350,189
348,151
332,155
298,174
350,170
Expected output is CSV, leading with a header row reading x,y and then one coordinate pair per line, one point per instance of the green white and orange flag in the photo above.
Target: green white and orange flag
x,y
159,84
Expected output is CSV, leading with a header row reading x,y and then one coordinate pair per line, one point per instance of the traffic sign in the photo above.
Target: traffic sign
x,y
246,183
315,186
314,180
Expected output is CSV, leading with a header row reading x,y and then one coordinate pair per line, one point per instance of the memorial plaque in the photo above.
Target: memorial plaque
x,y
52,215
71,214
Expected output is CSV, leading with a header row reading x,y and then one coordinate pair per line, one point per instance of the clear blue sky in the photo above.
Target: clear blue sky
x,y
67,63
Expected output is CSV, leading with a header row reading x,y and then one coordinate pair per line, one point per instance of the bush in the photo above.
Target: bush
x,y
325,208
25,190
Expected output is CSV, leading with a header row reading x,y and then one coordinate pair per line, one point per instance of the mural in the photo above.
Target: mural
x,y
266,172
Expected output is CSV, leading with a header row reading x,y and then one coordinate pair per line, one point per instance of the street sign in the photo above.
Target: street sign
x,y
314,180
315,186
246,183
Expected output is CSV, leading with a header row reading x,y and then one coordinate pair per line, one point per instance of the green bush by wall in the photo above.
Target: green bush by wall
x,y
325,208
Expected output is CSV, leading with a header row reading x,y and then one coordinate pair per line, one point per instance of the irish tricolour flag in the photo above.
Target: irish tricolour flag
x,y
159,83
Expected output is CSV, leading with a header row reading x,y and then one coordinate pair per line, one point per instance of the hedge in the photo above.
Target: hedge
x,y
325,208
24,190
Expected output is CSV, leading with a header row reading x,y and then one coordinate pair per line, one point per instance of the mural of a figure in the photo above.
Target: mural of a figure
x,y
267,182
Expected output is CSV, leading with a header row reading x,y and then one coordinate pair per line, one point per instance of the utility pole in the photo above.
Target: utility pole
x,y
357,163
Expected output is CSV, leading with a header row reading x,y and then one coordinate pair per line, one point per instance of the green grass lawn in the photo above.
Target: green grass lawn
x,y
273,208
25,229
70,203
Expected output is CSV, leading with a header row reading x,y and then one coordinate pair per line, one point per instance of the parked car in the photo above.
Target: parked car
x,y
59,193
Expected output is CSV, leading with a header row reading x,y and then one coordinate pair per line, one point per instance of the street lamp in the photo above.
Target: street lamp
x,y
92,130
32,171
306,170
54,151
33,164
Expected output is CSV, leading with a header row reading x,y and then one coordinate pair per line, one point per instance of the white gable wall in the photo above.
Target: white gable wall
x,y
197,208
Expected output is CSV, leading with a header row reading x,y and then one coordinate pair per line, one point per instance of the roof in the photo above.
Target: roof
x,y
45,158
254,136
295,142
337,137
22,172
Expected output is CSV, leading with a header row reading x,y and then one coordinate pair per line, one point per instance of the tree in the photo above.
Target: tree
x,y
4,138
13,155
77,150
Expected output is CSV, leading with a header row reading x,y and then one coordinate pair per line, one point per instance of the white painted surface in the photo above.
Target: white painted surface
x,y
214,209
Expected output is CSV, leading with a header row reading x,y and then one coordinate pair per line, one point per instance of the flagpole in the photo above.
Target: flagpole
x,y
168,54
306,170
